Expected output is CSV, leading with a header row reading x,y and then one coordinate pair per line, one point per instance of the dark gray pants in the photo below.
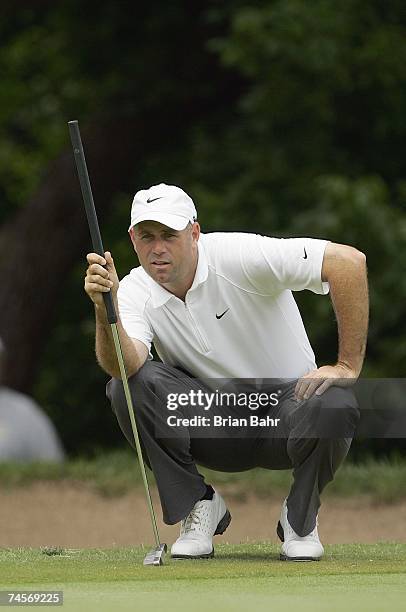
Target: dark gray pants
x,y
172,453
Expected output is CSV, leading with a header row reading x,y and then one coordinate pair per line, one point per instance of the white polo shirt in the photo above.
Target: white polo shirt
x,y
239,318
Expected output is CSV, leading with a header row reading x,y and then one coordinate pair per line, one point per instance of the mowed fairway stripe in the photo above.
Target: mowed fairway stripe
x,y
350,577
366,592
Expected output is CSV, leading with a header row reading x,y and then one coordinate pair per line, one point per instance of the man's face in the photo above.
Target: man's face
x,y
168,256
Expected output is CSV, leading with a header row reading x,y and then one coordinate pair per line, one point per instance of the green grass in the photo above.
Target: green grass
x,y
349,577
116,473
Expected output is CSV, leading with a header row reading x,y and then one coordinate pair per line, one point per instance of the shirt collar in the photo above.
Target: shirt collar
x,y
160,295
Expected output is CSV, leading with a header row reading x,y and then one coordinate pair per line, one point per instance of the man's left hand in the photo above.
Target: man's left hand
x,y
318,381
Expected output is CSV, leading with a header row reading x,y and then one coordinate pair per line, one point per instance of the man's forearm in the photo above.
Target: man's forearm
x,y
105,351
349,295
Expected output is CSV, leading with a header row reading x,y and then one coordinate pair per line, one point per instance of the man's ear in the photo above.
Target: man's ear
x,y
132,237
195,231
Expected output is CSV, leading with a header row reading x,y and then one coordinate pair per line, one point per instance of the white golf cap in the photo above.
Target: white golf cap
x,y
166,204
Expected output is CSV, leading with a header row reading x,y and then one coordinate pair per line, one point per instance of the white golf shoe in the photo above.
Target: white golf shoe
x,y
208,517
295,547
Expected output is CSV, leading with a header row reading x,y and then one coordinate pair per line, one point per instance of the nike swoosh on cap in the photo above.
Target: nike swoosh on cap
x,y
153,199
305,254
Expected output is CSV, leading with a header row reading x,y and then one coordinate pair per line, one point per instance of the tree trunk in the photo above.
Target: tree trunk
x,y
42,242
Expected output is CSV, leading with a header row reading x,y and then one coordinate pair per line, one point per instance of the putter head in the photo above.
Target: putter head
x,y
156,556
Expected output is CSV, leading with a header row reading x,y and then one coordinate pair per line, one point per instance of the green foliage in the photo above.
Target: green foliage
x,y
358,212
40,87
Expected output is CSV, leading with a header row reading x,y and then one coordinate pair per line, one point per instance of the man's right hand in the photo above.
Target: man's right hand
x,y
101,277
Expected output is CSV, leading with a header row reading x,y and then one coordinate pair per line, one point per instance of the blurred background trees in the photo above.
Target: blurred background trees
x,y
282,117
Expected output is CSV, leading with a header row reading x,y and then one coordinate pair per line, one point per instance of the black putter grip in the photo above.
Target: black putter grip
x,y
90,209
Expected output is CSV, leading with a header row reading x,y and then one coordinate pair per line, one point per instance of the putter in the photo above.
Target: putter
x,y
157,555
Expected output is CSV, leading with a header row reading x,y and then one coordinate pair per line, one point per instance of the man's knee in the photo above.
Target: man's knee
x,y
116,396
149,388
144,376
338,412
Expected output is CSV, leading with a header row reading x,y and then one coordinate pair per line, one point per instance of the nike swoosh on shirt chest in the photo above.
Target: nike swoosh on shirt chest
x,y
222,314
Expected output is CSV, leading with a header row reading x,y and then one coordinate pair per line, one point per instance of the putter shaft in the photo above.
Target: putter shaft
x,y
117,345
